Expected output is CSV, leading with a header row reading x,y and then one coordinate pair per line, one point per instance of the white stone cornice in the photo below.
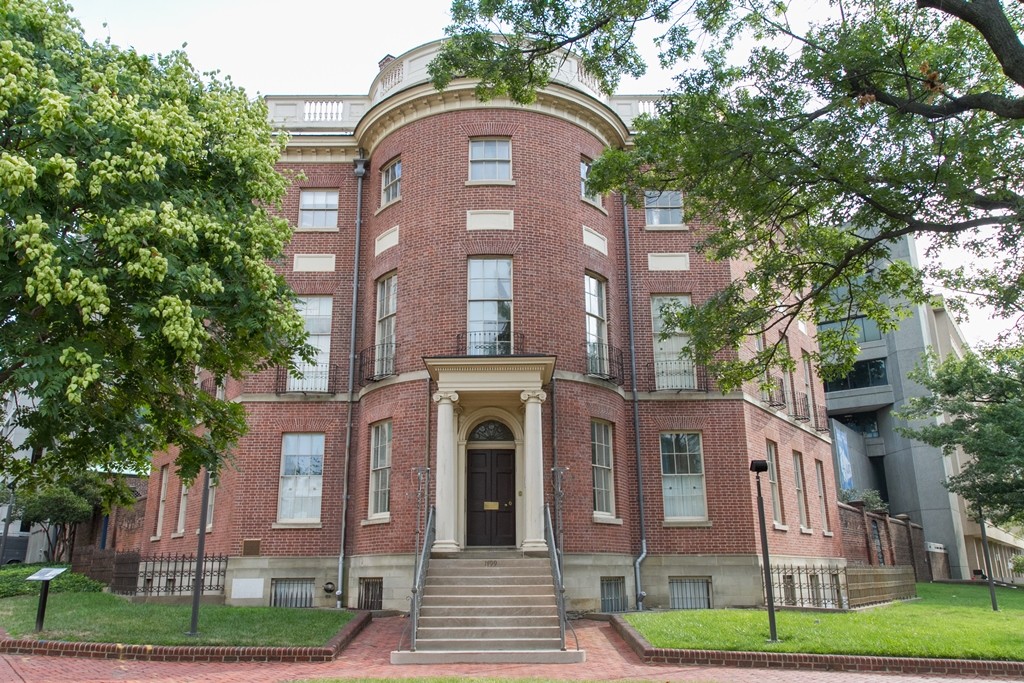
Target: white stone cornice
x,y
423,100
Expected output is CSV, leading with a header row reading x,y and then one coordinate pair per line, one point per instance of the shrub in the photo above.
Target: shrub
x,y
12,581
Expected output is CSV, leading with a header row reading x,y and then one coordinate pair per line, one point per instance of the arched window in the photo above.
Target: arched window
x,y
491,430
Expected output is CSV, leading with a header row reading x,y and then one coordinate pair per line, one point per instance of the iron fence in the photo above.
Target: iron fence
x,y
166,575
823,587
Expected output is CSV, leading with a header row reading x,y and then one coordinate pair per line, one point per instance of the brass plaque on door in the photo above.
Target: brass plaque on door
x,y
490,505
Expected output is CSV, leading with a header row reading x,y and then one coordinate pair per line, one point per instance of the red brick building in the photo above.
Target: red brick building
x,y
488,337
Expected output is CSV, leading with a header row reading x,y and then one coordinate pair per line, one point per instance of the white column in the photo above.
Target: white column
x,y
446,483
533,461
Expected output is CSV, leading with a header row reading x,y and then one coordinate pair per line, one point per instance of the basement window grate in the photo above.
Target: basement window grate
x,y
689,593
613,594
291,592
371,593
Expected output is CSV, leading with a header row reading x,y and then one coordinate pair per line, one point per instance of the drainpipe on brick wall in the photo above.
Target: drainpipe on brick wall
x,y
360,169
640,594
556,484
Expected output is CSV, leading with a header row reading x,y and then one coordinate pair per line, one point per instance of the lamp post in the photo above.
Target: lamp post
x,y
757,467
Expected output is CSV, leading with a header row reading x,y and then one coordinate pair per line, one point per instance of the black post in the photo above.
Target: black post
x,y
44,592
197,585
988,559
758,466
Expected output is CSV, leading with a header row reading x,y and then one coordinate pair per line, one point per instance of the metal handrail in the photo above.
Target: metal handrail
x,y
420,579
556,572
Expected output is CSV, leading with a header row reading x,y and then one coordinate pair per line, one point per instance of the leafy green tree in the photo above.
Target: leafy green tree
x,y
811,154
58,507
981,397
136,241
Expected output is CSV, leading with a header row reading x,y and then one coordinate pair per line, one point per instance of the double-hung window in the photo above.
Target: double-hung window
x,y
318,209
601,459
391,182
490,159
682,476
161,503
819,472
182,510
316,312
380,469
672,370
591,197
387,307
801,491
771,455
664,207
302,469
489,318
597,327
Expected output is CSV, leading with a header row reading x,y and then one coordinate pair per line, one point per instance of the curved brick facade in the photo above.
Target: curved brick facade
x,y
542,386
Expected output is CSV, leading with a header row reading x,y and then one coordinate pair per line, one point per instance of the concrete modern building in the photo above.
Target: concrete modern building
x,y
488,337
871,454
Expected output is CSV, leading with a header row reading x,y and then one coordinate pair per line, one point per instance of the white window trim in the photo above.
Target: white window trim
x,y
594,200
321,228
771,455
161,505
510,298
670,371
387,184
801,492
819,472
387,317
316,376
599,319
679,520
299,521
179,529
375,432
609,433
663,226
508,161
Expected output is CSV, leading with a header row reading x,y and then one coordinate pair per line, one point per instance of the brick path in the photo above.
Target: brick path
x,y
608,658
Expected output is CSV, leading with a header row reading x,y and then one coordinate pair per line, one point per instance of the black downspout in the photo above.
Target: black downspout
x,y
640,594
556,479
361,167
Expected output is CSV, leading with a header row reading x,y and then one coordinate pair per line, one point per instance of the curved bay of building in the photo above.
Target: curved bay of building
x,y
503,358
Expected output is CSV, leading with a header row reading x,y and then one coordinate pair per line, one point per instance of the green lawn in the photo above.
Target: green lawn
x,y
101,617
948,621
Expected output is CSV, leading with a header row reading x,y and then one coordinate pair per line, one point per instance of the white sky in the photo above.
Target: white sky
x,y
269,47
310,47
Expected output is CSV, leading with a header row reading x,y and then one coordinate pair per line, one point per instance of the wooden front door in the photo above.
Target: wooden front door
x,y
490,498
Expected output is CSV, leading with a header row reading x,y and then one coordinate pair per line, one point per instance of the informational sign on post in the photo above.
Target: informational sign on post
x,y
45,575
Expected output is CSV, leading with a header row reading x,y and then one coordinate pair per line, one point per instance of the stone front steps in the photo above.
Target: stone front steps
x,y
488,607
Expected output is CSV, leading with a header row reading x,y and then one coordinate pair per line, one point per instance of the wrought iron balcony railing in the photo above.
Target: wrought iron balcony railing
x,y
801,408
775,393
489,343
377,362
315,379
680,374
603,361
820,418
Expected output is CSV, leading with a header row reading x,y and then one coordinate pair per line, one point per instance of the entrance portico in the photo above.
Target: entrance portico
x,y
471,391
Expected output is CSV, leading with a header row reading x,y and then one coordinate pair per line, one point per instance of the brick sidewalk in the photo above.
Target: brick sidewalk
x,y
608,658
